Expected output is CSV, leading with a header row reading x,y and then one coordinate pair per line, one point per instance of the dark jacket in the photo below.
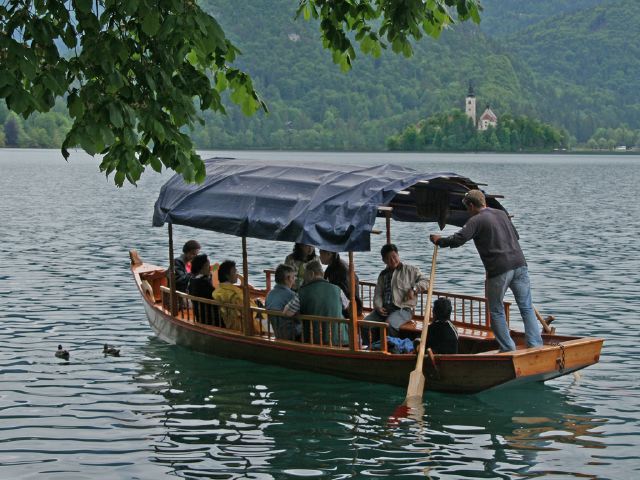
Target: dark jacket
x,y
337,273
496,240
200,286
182,276
442,337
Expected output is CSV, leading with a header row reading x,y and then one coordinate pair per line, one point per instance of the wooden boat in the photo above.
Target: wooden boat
x,y
406,195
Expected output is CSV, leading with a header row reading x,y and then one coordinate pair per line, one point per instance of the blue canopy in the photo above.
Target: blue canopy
x,y
332,207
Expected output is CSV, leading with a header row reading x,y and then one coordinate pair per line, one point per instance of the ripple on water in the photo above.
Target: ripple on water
x,y
161,411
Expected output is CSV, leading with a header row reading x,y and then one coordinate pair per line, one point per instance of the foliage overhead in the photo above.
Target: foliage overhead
x,y
133,71
373,21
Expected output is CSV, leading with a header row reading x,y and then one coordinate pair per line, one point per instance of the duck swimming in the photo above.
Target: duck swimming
x,y
62,353
110,350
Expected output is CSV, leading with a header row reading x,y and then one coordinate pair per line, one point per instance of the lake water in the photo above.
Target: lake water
x,y
161,410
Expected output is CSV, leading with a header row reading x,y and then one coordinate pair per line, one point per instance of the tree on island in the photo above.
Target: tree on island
x,y
133,71
454,131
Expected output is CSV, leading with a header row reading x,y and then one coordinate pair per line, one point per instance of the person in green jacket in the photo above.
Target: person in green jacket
x,y
318,297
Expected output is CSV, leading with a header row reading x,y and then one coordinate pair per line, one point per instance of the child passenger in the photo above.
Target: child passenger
x,y
442,337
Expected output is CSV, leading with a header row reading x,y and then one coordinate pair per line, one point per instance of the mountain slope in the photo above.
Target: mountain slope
x,y
314,105
501,17
588,64
575,64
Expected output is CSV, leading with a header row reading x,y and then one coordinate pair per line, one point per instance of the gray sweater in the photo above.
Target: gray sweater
x,y
496,240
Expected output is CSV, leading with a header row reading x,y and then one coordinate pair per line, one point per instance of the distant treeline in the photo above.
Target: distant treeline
x,y
44,130
450,131
454,131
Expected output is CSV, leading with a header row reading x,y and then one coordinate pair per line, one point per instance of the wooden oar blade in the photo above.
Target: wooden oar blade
x,y
416,385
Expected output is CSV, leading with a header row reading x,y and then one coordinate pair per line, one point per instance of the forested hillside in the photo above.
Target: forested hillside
x,y
588,66
501,17
315,105
574,64
571,63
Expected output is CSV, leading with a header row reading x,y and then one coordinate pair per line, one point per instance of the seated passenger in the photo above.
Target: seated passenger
x,y
298,259
228,292
396,291
337,272
442,336
182,265
200,286
320,298
283,327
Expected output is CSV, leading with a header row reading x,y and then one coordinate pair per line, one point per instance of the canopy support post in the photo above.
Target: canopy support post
x,y
246,310
387,215
354,335
172,276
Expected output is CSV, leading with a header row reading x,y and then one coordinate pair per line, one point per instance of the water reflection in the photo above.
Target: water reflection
x,y
197,416
228,417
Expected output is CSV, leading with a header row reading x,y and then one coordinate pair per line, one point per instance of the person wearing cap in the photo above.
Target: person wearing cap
x,y
182,264
496,240
396,291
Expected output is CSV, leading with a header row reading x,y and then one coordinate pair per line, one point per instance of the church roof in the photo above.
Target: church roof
x,y
489,115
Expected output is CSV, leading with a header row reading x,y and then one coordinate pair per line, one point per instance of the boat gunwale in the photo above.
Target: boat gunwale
x,y
225,334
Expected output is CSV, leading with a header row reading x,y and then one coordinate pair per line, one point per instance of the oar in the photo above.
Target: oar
x,y
416,379
545,323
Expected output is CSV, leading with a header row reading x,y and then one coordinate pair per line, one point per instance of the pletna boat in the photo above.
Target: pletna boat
x,y
334,208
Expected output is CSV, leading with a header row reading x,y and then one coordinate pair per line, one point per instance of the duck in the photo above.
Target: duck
x,y
111,350
62,353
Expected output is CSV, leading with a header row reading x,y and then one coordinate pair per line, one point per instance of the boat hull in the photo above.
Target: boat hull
x,y
470,373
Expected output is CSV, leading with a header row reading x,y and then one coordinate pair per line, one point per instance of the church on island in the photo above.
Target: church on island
x,y
487,119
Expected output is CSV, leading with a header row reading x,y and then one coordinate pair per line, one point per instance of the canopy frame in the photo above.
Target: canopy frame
x,y
333,207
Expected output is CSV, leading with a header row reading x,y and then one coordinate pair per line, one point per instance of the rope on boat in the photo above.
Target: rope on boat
x,y
560,361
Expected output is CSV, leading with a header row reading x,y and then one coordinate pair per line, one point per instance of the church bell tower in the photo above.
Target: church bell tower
x,y
470,105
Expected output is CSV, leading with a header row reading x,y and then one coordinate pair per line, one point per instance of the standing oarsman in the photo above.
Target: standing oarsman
x,y
496,240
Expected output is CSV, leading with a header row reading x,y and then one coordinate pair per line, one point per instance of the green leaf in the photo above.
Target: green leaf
x,y
158,130
83,6
115,116
6,78
156,164
221,82
75,105
69,37
119,178
151,23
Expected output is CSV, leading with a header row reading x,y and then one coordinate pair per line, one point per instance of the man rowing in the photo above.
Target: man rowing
x,y
496,240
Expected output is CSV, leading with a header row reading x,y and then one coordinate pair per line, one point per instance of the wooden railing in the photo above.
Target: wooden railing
x,y
466,309
324,331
